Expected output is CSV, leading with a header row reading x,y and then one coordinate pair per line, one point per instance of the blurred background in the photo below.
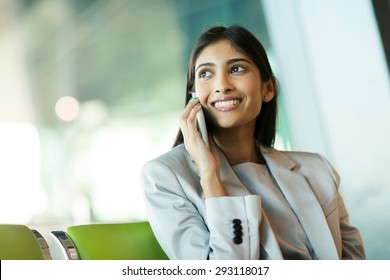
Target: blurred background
x,y
91,89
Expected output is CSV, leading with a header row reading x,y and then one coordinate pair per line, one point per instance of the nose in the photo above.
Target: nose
x,y
223,83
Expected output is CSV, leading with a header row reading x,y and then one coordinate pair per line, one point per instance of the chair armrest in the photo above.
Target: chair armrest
x,y
43,244
67,246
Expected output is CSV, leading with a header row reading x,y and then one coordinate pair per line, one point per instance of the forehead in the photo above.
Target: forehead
x,y
219,51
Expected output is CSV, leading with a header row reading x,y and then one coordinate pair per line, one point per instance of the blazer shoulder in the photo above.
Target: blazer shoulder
x,y
301,156
174,156
291,158
303,162
313,163
175,160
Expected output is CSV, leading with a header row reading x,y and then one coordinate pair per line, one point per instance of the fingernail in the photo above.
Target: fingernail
x,y
197,105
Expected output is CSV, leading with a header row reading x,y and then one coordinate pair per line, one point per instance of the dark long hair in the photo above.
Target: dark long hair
x,y
245,42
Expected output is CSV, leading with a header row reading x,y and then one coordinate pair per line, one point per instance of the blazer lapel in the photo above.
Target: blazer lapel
x,y
303,202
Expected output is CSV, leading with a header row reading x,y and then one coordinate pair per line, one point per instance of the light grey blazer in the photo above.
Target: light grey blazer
x,y
189,227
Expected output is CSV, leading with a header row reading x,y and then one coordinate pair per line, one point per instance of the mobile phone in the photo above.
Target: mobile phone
x,y
201,124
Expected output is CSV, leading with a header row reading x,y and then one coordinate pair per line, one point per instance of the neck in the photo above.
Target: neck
x,y
238,145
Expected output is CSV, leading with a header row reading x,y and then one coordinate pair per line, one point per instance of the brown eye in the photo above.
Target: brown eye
x,y
237,69
204,74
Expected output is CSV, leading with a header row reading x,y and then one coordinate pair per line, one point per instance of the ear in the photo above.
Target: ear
x,y
269,89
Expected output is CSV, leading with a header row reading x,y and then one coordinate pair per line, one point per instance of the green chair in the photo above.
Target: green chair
x,y
19,242
124,241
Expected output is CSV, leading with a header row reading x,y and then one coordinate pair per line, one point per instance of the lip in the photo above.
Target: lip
x,y
226,104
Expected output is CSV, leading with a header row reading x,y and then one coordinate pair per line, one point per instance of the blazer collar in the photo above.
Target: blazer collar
x,y
303,202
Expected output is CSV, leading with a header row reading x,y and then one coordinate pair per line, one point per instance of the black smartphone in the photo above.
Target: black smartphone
x,y
201,124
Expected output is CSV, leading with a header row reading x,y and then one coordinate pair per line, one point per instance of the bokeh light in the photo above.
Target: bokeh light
x,y
67,108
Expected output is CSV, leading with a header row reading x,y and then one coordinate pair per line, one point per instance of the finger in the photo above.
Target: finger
x,y
187,110
191,120
189,125
190,105
187,120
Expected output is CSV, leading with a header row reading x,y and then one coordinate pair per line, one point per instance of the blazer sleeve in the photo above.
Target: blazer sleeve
x,y
352,248
352,244
184,233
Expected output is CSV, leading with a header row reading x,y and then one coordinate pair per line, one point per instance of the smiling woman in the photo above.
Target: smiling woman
x,y
241,198
229,86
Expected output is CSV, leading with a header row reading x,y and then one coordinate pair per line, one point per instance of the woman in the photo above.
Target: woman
x,y
240,198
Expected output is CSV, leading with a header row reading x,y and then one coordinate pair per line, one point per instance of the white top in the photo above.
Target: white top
x,y
289,233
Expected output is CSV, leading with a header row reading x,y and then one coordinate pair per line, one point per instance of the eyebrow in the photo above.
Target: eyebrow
x,y
230,61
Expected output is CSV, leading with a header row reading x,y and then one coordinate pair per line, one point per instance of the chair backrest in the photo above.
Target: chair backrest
x,y
124,241
19,242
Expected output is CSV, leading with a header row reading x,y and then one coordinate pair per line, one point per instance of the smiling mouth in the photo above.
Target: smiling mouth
x,y
227,104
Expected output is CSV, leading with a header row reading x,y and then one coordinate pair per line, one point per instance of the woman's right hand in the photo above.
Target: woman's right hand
x,y
206,160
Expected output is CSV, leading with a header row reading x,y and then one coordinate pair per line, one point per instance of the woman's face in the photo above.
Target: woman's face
x,y
228,86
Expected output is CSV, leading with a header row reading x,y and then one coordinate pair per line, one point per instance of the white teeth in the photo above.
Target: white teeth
x,y
229,103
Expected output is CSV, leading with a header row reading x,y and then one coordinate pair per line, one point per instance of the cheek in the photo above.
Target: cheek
x,y
202,93
202,97
255,99
254,90
252,84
